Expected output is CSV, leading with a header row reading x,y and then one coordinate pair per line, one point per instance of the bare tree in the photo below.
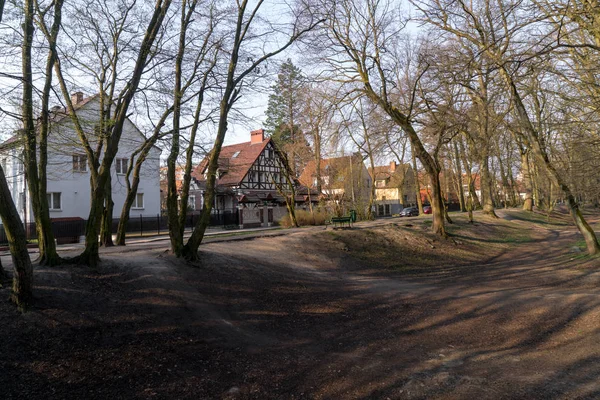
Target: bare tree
x,y
22,287
114,110
246,18
491,26
363,40
206,58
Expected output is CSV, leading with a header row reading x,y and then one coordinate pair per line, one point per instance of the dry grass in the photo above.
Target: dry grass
x,y
305,218
412,248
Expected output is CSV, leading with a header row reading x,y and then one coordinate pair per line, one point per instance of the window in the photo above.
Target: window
x,y
387,209
380,183
139,201
121,166
237,153
79,163
54,201
192,202
268,154
20,167
22,201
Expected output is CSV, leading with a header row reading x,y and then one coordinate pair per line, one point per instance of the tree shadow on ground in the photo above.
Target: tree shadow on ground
x,y
267,320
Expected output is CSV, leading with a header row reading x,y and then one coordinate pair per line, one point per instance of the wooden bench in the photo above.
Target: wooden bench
x,y
339,222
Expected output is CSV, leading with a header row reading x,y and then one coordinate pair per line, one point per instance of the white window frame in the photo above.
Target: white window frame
x,y
21,201
192,202
121,166
51,198
80,160
136,205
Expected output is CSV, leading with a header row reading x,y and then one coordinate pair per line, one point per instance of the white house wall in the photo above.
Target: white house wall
x,y
74,186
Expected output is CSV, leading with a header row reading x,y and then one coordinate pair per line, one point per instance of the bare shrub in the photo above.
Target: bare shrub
x,y
305,218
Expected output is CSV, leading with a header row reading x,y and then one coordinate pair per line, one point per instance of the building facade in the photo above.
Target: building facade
x,y
394,188
68,173
345,183
252,180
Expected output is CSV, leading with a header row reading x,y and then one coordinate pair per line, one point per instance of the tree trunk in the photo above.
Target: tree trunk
x,y
124,217
106,225
487,193
417,184
3,274
461,190
528,185
22,294
317,141
174,205
190,250
38,183
475,204
437,205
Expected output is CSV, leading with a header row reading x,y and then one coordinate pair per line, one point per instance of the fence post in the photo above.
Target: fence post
x,y
158,223
141,225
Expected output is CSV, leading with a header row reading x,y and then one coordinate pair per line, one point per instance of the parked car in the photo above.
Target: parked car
x,y
427,210
409,212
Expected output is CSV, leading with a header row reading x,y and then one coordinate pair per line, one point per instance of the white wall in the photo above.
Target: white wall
x,y
74,186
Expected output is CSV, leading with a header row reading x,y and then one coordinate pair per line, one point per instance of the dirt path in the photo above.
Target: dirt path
x,y
303,316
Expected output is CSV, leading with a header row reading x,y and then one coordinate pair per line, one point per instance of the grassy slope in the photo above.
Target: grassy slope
x,y
407,246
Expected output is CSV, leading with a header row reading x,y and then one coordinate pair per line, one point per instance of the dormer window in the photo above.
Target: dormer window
x,y
237,153
79,163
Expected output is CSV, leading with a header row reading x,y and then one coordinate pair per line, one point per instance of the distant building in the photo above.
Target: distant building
x,y
248,177
68,190
394,188
345,181
194,201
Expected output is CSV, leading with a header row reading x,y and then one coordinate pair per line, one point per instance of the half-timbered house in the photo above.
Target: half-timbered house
x,y
251,181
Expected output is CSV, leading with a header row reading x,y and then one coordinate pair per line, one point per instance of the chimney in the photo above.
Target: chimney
x,y
257,136
76,97
393,166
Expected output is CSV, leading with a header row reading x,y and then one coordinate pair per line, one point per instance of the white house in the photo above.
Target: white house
x,y
68,172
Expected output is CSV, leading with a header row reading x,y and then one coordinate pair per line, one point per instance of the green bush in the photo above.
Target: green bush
x,y
305,218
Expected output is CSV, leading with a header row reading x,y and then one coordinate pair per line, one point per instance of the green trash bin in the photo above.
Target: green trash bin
x,y
353,215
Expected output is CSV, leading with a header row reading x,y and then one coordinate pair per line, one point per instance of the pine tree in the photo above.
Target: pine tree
x,y
283,112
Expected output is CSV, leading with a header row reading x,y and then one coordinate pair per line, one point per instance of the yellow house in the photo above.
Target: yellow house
x,y
394,188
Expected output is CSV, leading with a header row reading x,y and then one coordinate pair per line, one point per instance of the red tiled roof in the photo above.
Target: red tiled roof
x,y
392,179
11,140
233,169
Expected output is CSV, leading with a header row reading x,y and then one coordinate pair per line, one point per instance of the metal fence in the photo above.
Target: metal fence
x,y
69,230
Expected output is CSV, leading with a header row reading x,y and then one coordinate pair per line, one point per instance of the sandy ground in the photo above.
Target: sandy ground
x,y
504,310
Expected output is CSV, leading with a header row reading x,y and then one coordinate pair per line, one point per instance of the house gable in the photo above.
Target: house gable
x,y
266,171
